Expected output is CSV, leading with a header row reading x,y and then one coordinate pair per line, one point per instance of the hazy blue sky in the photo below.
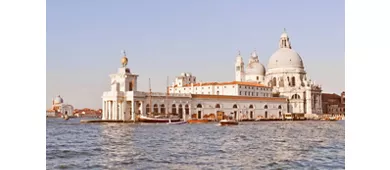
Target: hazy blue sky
x,y
165,38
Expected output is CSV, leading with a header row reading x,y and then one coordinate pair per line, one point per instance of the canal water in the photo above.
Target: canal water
x,y
250,145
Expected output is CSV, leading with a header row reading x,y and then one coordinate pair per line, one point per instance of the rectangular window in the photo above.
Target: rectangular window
x,y
184,89
240,93
257,93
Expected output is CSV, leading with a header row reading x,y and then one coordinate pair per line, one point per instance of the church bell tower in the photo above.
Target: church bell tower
x,y
240,73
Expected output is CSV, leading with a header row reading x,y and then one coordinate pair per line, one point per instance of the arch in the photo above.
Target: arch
x,y
173,109
280,107
199,105
296,96
293,81
217,106
180,110
265,106
274,81
187,109
199,114
155,108
288,80
162,108
235,106
148,108
251,106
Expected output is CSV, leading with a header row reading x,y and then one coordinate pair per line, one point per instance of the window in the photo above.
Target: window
x,y
202,87
257,77
217,92
225,86
209,92
190,89
184,89
217,87
209,87
240,93
245,93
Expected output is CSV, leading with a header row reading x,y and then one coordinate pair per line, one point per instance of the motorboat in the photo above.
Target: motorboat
x,y
176,123
226,122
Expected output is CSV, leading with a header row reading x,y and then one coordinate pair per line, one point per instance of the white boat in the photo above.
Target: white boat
x,y
228,122
176,123
146,119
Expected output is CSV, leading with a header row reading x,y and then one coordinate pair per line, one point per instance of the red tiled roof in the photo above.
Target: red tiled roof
x,y
226,83
222,97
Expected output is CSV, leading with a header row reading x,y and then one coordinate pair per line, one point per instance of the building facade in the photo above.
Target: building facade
x,y
190,100
333,104
286,75
59,107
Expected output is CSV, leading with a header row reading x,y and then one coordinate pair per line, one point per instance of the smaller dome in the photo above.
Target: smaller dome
x,y
58,100
255,68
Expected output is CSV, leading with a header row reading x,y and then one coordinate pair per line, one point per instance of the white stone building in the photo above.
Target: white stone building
x,y
188,99
287,77
58,106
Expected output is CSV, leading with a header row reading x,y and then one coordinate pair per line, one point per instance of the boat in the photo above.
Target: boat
x,y
156,119
146,119
65,117
226,122
193,121
176,123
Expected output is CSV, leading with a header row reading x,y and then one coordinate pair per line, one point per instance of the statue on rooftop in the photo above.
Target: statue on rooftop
x,y
124,59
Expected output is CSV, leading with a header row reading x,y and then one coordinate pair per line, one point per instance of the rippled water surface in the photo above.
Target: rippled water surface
x,y
251,145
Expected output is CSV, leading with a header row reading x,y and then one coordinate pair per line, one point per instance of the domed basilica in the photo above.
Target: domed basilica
x,y
286,75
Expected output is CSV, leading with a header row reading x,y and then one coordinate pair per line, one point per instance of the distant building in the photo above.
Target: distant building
x,y
59,107
333,104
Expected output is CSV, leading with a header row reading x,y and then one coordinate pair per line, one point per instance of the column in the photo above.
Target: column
x,y
103,108
142,107
109,110
133,110
184,114
120,112
123,110
190,110
114,110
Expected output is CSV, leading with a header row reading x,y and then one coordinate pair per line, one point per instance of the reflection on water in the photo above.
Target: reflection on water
x,y
252,145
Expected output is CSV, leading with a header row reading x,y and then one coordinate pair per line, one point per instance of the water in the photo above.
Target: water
x,y
251,145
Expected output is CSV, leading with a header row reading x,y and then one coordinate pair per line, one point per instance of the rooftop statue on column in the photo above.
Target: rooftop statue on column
x,y
124,59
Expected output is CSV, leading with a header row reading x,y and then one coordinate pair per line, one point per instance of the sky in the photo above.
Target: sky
x,y
84,40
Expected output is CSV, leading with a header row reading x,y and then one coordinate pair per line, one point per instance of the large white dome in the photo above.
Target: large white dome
x,y
255,68
285,58
58,100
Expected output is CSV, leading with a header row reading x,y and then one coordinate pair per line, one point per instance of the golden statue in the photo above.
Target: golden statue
x,y
124,59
